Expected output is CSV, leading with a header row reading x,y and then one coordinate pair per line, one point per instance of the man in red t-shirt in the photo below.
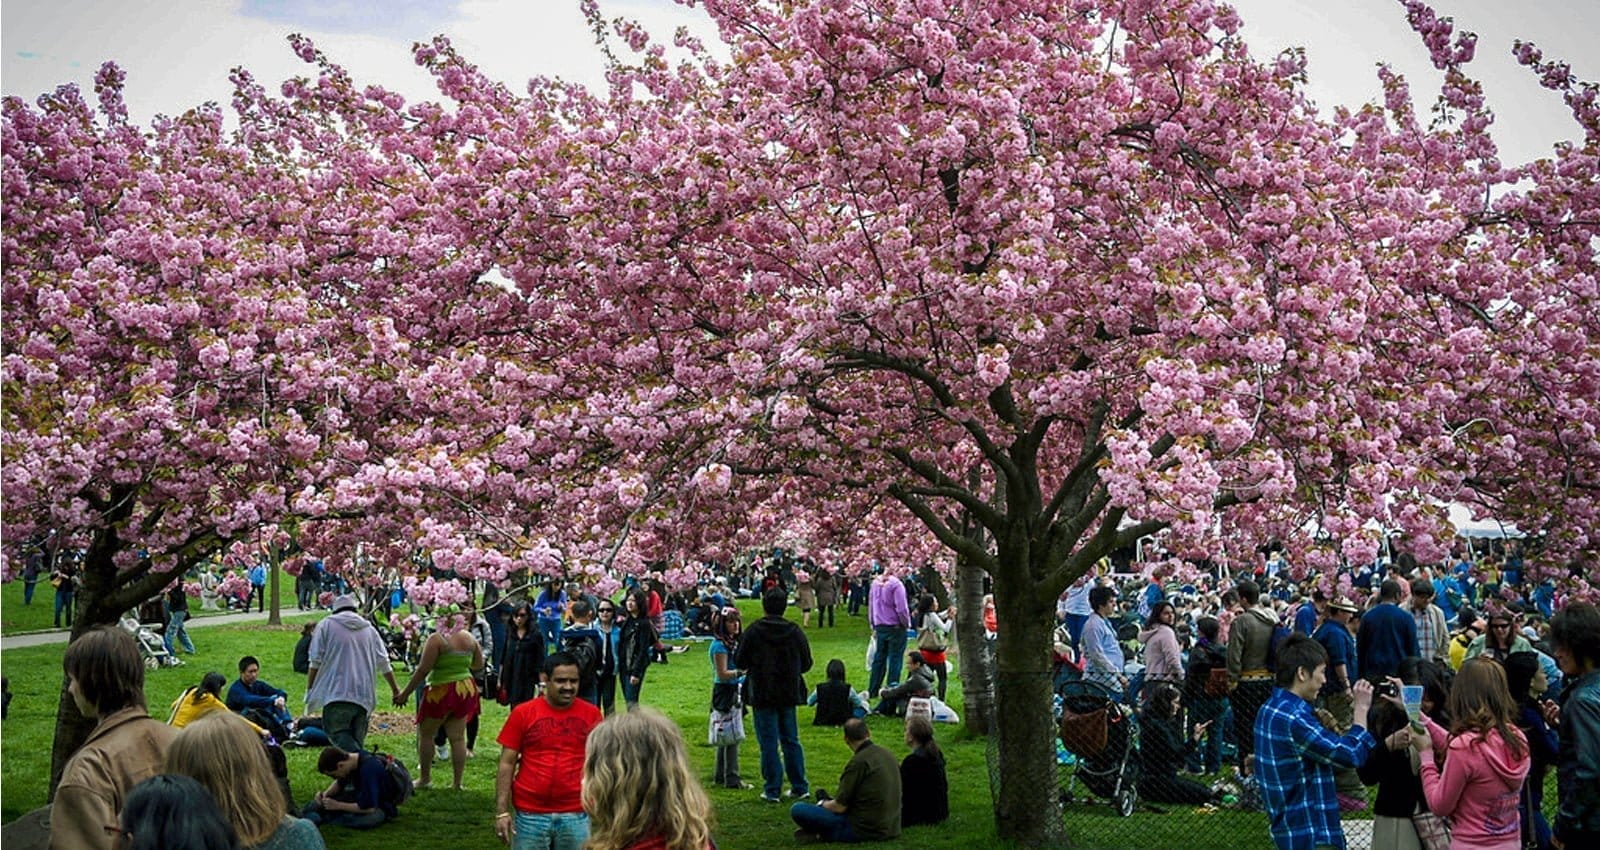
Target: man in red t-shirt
x,y
538,787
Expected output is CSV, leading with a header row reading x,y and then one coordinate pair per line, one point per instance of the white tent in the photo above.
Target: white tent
x,y
1488,527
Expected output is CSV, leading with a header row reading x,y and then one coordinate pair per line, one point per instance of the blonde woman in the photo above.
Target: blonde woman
x,y
223,753
638,789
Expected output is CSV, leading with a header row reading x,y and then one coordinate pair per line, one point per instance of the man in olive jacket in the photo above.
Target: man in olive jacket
x,y
775,656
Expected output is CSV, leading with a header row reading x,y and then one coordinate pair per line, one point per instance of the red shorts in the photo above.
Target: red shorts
x,y
451,699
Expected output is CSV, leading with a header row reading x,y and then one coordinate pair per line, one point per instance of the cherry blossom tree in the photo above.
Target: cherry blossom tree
x,y
1010,280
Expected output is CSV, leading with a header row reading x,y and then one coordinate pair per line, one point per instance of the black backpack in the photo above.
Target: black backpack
x,y
584,647
398,773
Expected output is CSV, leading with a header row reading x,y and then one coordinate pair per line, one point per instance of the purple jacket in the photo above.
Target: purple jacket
x,y
887,603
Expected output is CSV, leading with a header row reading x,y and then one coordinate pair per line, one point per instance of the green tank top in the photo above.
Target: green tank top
x,y
451,666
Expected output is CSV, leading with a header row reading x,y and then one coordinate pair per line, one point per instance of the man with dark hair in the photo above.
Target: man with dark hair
x,y
1311,613
581,640
1387,636
1433,636
918,683
868,805
268,705
890,615
1295,755
105,678
1249,643
1575,639
775,655
1102,654
539,782
363,793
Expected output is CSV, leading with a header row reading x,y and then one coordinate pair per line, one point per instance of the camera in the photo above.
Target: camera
x,y
1386,689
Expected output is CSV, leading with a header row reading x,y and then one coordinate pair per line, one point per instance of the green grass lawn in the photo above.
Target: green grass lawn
x,y
438,818
17,618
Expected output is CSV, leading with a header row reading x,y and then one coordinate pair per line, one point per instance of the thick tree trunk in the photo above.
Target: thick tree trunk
x,y
1025,806
976,664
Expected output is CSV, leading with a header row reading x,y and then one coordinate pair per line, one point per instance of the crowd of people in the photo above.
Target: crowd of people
x,y
1301,683
1301,688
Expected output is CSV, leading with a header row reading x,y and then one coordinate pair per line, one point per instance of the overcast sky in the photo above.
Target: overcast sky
x,y
178,52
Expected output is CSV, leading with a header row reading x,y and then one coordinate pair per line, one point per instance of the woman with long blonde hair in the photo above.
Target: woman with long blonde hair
x,y
638,788
224,753
1486,760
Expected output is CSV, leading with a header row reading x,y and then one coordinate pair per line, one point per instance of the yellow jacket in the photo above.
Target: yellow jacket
x,y
188,708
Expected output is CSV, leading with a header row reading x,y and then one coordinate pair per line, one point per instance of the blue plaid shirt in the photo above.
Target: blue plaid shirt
x,y
1295,758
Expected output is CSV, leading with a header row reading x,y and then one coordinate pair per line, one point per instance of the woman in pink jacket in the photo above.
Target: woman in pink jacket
x,y
1486,759
1163,660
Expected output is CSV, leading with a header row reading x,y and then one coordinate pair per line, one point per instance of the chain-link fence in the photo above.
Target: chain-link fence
x,y
1153,764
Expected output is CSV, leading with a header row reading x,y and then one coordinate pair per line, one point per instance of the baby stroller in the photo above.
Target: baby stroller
x,y
1099,732
151,648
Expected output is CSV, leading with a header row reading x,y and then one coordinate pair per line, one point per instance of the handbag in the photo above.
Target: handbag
x,y
727,727
930,640
1433,832
502,696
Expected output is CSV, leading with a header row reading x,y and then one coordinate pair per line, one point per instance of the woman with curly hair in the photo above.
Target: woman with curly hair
x,y
1486,760
638,788
224,754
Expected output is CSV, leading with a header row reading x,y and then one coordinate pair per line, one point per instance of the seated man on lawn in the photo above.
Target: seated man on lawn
x,y
363,795
868,805
918,683
260,702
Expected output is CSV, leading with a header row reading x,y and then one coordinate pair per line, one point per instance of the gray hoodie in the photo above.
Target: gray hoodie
x,y
346,653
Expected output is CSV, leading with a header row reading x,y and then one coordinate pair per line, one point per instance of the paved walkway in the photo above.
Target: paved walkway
x,y
59,636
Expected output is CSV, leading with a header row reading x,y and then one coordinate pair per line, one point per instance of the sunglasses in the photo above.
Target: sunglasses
x,y
607,610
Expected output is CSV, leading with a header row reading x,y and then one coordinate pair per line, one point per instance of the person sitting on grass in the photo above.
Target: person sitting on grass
x,y
363,793
223,753
1163,749
260,702
918,683
835,700
202,699
868,805
1295,755
924,788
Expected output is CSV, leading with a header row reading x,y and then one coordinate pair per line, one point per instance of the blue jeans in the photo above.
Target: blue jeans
x,y
314,813
630,691
564,831
27,590
176,635
775,728
1207,758
64,603
819,821
550,630
889,656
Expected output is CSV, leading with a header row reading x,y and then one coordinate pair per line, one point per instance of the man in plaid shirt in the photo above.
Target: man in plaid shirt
x,y
1296,754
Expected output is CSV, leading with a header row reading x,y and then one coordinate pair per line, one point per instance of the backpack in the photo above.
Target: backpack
x,y
397,772
584,647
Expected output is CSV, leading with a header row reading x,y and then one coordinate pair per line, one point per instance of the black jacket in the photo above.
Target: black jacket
x,y
924,790
520,665
775,656
833,704
635,648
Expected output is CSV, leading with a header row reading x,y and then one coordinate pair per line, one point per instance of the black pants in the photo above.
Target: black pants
x,y
825,614
1247,700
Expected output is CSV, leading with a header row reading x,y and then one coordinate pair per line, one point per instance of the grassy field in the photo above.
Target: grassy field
x,y
438,818
17,618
